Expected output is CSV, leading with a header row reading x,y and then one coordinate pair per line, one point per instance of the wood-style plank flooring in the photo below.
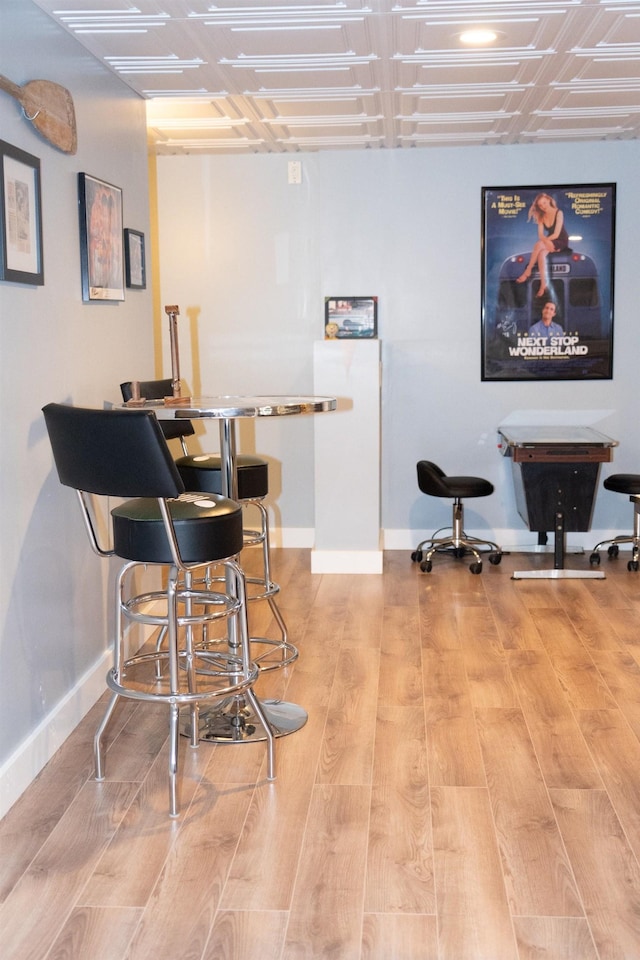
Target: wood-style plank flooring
x,y
467,787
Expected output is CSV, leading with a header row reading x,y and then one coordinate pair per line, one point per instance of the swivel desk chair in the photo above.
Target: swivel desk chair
x,y
435,483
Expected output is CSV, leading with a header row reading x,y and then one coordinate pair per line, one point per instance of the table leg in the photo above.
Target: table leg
x,y
558,572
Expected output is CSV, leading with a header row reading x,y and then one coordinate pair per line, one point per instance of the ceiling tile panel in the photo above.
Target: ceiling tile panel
x,y
265,76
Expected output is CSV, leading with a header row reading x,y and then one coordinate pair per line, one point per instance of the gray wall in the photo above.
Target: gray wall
x,y
53,622
251,259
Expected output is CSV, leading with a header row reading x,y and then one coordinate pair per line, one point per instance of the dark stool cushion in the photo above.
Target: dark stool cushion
x,y
208,528
623,483
467,487
434,482
204,472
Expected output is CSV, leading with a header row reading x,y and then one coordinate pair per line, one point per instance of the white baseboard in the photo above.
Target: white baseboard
x,y
346,561
293,537
26,762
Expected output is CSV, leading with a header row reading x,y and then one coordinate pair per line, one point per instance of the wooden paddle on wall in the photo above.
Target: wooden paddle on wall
x,y
50,109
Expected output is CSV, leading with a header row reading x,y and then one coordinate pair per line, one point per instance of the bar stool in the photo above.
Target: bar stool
x,y
203,472
435,483
122,453
627,483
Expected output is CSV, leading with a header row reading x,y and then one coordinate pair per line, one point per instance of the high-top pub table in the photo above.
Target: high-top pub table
x,y
555,475
234,721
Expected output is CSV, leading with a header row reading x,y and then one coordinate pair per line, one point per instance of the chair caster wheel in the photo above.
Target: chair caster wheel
x,y
594,559
633,566
476,567
416,556
613,550
426,566
495,558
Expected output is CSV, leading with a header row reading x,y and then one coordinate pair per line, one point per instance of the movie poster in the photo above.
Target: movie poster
x,y
547,282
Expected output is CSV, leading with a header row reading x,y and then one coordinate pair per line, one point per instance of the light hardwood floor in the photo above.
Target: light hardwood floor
x,y
467,787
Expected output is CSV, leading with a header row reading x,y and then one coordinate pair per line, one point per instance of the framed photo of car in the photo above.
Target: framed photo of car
x,y
350,318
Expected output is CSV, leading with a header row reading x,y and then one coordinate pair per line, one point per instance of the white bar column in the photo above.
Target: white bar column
x,y
347,458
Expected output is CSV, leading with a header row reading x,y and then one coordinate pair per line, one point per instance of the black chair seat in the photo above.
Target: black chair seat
x,y
435,483
204,472
465,487
623,483
208,529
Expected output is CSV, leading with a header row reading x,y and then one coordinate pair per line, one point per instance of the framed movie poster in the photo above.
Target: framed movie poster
x,y
101,239
547,282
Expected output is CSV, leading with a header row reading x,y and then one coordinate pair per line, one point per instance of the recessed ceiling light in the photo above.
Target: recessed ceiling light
x,y
478,37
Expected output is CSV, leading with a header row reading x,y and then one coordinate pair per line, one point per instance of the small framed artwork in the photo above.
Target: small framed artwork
x,y
134,260
101,239
20,217
350,318
548,256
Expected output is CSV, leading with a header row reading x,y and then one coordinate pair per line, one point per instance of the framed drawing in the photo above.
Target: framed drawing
x,y
547,282
101,239
20,216
134,259
350,317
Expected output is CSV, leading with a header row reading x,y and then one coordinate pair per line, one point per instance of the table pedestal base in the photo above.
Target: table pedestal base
x,y
557,575
234,721
558,572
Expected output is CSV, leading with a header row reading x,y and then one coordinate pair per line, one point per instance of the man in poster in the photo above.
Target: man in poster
x,y
548,245
546,328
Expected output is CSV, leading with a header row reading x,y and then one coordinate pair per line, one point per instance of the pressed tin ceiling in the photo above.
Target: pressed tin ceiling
x,y
251,76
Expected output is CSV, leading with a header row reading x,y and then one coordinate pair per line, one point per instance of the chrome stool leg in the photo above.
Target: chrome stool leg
x,y
616,542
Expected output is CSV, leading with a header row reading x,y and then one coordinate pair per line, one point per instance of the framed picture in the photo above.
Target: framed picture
x,y
548,281
101,239
20,217
350,318
134,262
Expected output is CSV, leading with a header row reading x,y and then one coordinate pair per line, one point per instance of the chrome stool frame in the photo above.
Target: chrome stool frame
x,y
616,542
203,472
107,453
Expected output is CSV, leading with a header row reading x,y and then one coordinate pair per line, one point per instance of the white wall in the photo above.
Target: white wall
x,y
53,625
250,258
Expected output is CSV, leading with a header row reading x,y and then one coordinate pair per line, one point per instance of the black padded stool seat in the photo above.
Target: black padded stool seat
x,y
450,487
629,484
204,472
208,528
433,482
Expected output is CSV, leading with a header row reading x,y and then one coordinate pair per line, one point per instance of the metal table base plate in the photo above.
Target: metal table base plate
x,y
235,722
557,575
